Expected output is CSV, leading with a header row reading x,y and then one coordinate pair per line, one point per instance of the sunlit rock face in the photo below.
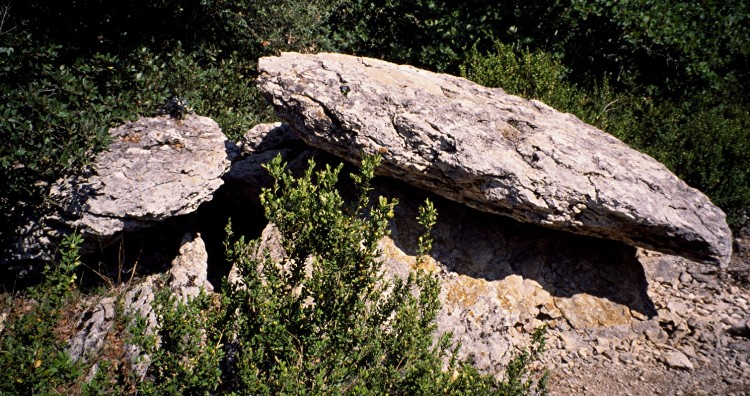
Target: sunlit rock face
x,y
492,151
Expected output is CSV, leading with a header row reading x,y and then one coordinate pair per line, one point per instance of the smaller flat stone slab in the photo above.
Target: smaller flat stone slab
x,y
155,168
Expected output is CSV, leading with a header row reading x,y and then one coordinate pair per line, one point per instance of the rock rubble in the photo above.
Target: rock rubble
x,y
186,277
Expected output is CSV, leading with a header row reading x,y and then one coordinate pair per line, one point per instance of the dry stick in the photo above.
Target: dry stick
x,y
135,265
104,278
120,260
4,11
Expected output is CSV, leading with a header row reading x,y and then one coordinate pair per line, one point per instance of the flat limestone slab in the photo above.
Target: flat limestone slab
x,y
155,169
492,151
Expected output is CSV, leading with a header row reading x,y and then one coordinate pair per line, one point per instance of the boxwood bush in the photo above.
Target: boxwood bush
x,y
325,321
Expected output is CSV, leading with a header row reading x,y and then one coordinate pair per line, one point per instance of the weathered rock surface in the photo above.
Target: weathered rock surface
x,y
688,348
621,320
500,279
30,242
260,145
678,360
92,329
189,272
186,277
268,243
492,151
155,168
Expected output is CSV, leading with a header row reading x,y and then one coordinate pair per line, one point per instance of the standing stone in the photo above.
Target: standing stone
x,y
189,273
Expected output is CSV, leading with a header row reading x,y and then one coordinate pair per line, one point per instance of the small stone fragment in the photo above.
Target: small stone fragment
x,y
677,360
92,329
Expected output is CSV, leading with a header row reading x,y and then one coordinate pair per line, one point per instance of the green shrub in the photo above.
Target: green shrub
x,y
685,46
32,355
184,361
343,328
541,76
221,88
428,34
524,73
705,142
52,120
325,320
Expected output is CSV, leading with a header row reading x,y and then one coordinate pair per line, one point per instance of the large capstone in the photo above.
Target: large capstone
x,y
492,151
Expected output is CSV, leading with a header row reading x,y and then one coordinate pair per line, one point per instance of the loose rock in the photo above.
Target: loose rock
x,y
678,360
189,273
92,330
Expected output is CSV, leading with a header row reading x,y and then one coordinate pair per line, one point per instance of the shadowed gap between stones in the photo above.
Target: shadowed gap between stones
x,y
473,243
492,247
